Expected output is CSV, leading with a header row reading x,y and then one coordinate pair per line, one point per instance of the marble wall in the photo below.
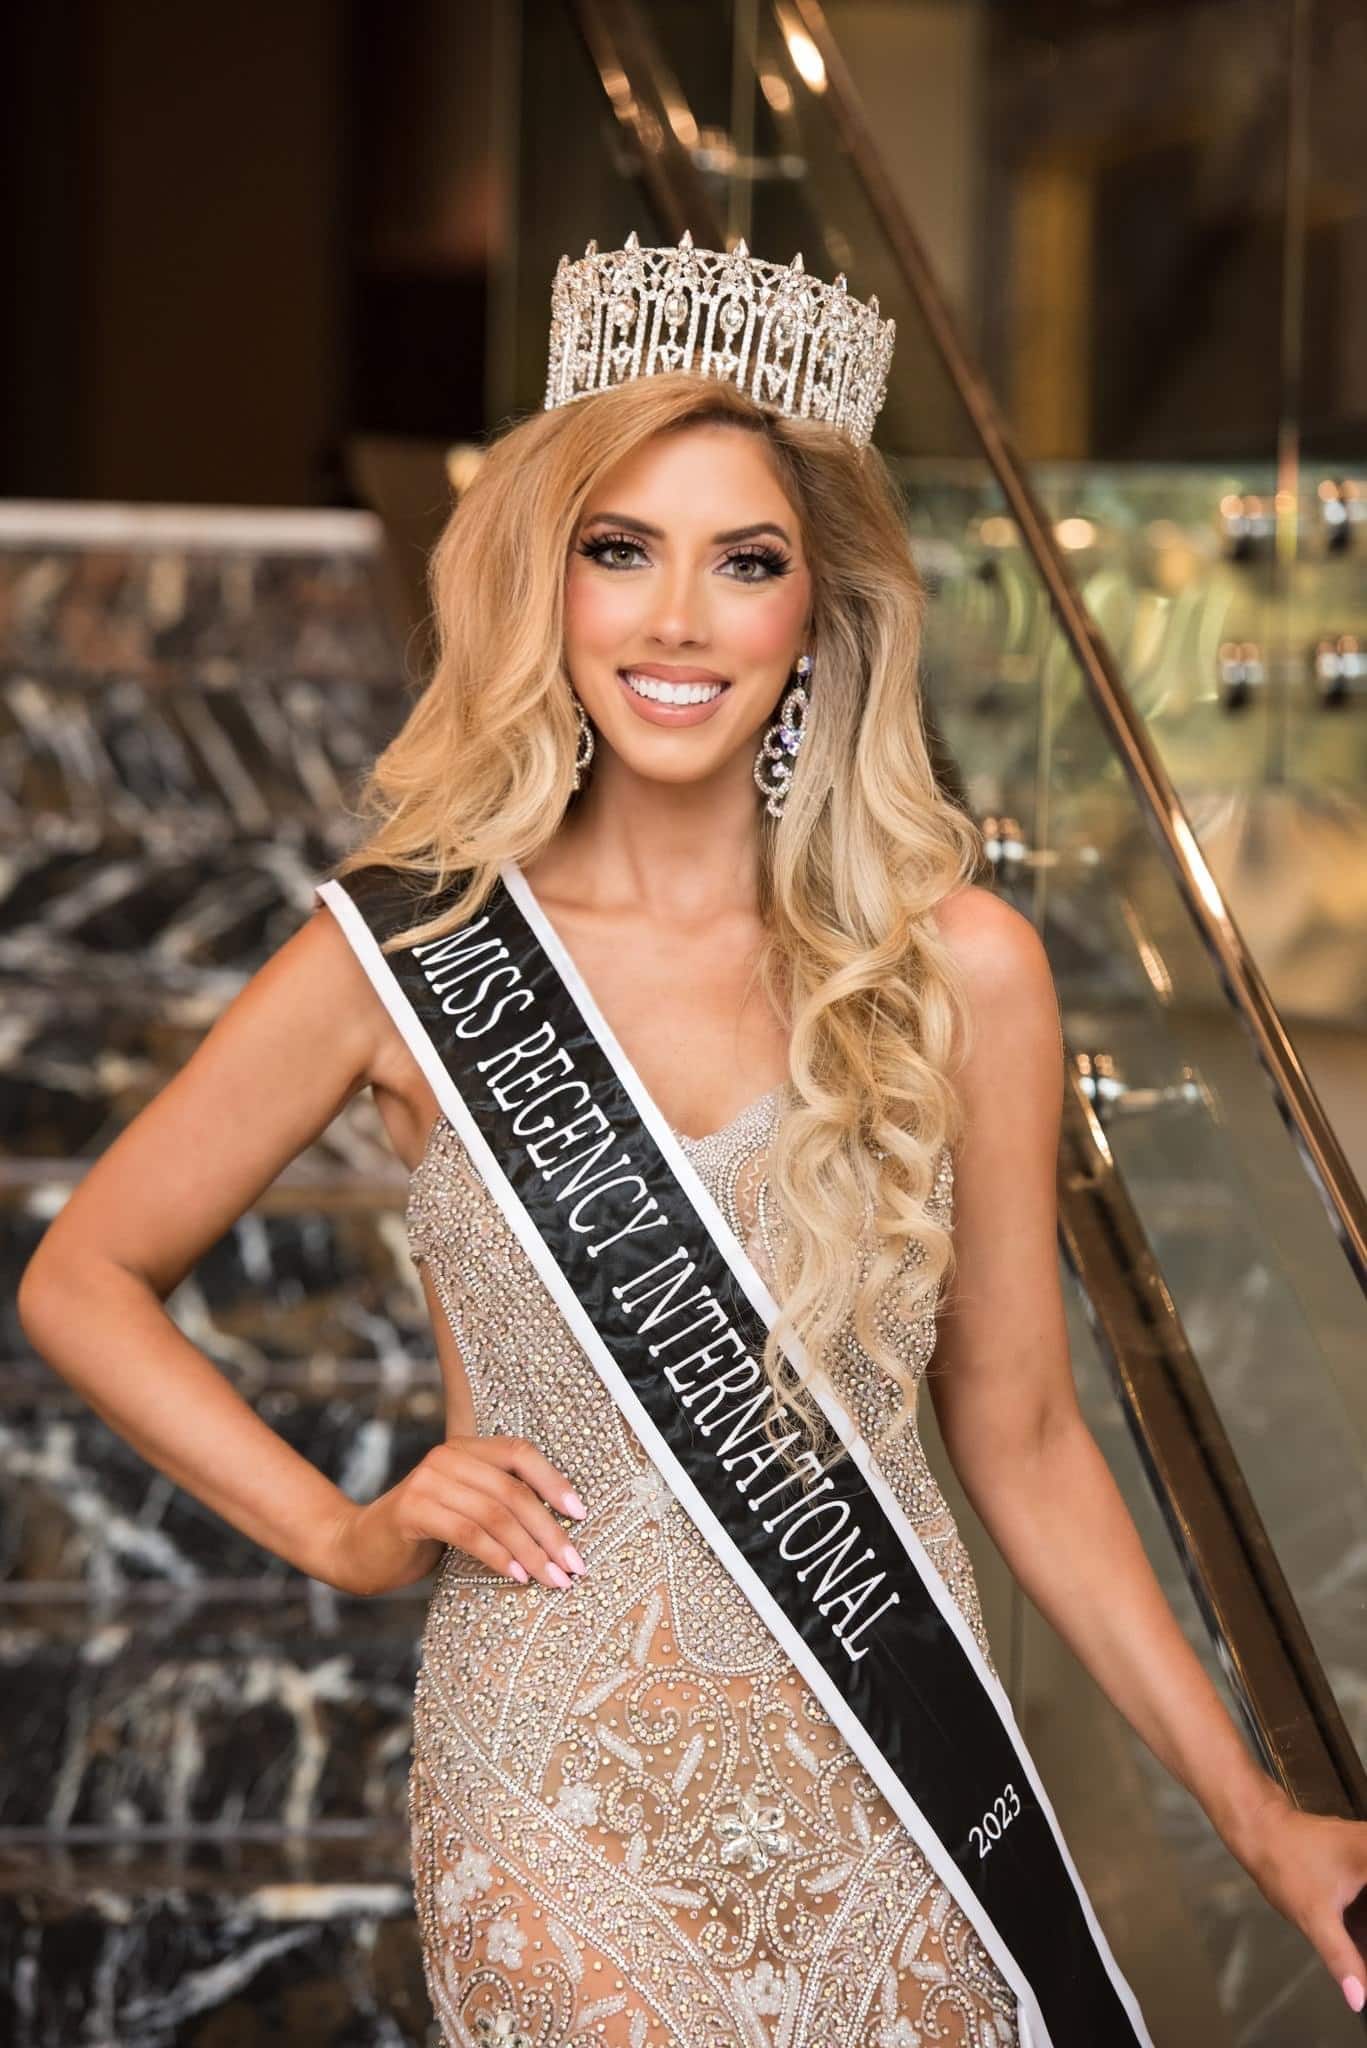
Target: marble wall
x,y
203,1753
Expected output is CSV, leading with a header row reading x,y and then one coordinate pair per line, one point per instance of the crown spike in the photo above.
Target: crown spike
x,y
841,283
741,250
686,239
798,265
633,242
874,306
590,248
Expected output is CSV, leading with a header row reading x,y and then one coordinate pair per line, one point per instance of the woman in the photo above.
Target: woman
x,y
663,1789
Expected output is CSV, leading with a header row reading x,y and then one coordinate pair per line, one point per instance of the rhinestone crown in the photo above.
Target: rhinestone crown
x,y
804,347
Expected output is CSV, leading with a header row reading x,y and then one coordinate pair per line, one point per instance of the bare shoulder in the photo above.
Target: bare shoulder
x,y
1015,1025
995,946
373,1054
314,992
327,982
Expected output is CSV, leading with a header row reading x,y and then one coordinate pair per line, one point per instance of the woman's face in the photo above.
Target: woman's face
x,y
687,602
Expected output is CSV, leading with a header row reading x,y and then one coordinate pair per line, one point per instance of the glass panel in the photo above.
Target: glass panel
x,y
1262,1986
1209,1959
1250,673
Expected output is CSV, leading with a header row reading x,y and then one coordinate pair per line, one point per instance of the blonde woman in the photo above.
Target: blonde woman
x,y
727,1095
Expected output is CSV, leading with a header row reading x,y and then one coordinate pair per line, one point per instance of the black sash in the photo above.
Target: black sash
x,y
672,1314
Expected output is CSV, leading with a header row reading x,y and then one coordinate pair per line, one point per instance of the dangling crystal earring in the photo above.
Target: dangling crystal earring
x,y
779,747
583,753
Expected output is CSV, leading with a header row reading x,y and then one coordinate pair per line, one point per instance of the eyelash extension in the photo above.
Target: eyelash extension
x,y
772,556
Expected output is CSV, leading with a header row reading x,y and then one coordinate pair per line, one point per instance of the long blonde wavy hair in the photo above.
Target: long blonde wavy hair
x,y
481,773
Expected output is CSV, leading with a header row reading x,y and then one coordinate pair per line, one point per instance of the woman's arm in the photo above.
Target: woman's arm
x,y
1008,1413
274,1071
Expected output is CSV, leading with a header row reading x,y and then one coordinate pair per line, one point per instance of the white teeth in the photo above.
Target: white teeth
x,y
671,693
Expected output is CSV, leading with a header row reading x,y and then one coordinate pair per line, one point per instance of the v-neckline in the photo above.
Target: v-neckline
x,y
725,1130
442,1124
588,1002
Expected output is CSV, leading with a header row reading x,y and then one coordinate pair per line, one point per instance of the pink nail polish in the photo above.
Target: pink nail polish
x,y
519,1572
574,1560
1354,1993
556,1576
574,1506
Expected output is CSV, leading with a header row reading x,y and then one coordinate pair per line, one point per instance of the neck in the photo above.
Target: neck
x,y
682,850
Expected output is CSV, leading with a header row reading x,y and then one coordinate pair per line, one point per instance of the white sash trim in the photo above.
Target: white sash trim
x,y
1030,2019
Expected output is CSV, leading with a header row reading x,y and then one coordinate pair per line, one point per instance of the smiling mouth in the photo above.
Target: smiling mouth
x,y
657,691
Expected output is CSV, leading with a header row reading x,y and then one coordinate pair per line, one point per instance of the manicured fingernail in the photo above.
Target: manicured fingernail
x,y
519,1572
573,1559
574,1506
558,1577
1354,1993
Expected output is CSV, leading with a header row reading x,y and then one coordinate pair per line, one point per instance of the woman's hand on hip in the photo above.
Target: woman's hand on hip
x,y
484,1495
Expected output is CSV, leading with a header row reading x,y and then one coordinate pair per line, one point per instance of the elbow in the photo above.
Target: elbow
x,y
1060,1421
1039,1434
34,1300
26,1296
993,1457
51,1284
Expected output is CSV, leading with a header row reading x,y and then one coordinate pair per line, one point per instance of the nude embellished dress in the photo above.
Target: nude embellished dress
x,y
632,1822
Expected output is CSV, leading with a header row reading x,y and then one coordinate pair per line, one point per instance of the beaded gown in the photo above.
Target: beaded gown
x,y
632,1823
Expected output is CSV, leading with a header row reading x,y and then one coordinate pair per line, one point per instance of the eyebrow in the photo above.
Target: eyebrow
x,y
719,539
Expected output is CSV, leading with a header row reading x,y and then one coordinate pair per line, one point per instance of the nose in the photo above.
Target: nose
x,y
679,615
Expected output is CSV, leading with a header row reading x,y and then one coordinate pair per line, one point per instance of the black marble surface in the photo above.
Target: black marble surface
x,y
203,1754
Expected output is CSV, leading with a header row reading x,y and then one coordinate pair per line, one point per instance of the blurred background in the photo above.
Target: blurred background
x,y
277,274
